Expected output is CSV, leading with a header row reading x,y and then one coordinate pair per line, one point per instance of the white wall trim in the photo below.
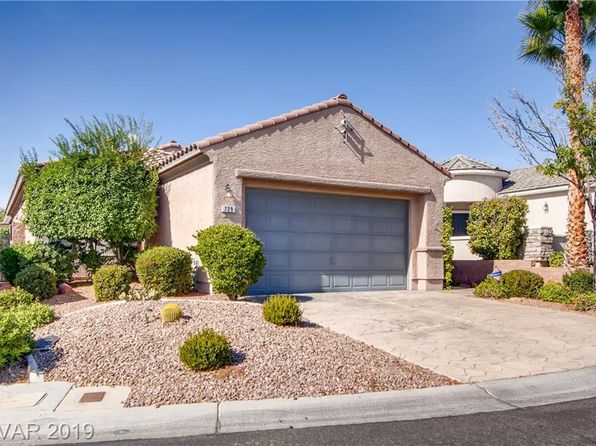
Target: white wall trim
x,y
542,191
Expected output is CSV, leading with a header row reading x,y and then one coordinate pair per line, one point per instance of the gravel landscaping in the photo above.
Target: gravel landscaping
x,y
129,345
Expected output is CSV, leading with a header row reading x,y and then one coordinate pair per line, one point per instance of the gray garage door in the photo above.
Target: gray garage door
x,y
320,242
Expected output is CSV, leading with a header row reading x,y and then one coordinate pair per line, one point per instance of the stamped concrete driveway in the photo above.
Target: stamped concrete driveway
x,y
458,335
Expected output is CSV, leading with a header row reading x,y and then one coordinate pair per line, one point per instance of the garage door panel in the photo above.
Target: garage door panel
x,y
319,242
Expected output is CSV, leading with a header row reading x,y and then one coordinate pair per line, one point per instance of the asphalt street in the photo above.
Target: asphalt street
x,y
572,423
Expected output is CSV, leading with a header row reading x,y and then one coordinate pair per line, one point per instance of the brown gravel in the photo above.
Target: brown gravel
x,y
14,373
83,297
114,345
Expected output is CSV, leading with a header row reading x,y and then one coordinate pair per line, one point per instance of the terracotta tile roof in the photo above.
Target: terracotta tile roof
x,y
340,100
157,155
464,162
529,178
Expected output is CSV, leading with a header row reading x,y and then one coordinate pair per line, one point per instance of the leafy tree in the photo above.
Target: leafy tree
x,y
557,33
496,227
98,190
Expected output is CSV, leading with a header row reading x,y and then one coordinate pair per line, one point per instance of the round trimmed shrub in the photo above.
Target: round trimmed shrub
x,y
282,309
232,256
521,283
110,281
38,280
580,281
556,259
52,254
490,287
165,269
16,339
556,292
15,297
206,350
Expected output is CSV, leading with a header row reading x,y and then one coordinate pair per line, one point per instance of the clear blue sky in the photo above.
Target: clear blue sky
x,y
427,70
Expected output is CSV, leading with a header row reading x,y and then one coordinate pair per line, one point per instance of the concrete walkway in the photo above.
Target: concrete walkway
x,y
458,335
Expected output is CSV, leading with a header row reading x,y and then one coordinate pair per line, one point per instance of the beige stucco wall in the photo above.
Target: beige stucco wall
x,y
311,146
19,228
467,188
185,206
556,217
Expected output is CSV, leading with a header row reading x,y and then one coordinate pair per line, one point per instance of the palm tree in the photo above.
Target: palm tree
x,y
557,33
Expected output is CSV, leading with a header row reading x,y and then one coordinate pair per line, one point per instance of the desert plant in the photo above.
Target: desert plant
x,y
10,263
282,309
16,339
110,281
142,294
165,269
580,281
232,256
521,283
38,280
206,350
496,227
585,301
490,287
556,259
556,292
34,315
15,297
171,312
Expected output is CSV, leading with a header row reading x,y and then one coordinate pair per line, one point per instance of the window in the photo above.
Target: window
x,y
460,223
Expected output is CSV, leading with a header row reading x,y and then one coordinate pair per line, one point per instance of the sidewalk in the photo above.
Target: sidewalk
x,y
43,413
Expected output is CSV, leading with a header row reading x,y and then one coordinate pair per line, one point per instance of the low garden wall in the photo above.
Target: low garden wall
x,y
472,272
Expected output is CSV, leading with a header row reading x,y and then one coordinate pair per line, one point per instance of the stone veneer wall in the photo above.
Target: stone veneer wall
x,y
538,244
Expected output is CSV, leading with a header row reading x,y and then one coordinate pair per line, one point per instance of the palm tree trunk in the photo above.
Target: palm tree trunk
x,y
576,247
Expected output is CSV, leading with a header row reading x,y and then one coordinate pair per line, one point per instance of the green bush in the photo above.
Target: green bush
x,y
446,235
10,263
110,281
38,280
521,283
34,315
496,227
556,259
206,350
580,281
16,258
490,287
16,339
282,309
556,292
15,297
585,301
165,269
232,256
51,254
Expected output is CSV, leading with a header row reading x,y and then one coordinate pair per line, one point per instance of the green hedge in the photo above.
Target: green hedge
x,y
110,281
15,297
491,288
14,259
166,270
556,292
232,256
16,338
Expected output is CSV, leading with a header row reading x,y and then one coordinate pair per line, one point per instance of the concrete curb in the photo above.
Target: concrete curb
x,y
244,416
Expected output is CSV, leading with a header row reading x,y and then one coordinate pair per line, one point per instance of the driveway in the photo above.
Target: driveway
x,y
463,337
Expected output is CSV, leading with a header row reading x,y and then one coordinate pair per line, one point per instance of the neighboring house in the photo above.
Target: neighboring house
x,y
474,180
340,202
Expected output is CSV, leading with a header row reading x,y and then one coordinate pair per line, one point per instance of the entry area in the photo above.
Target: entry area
x,y
323,242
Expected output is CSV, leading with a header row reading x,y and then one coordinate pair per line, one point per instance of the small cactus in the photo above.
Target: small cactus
x,y
171,312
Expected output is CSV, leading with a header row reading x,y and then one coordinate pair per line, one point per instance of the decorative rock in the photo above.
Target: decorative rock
x,y
46,343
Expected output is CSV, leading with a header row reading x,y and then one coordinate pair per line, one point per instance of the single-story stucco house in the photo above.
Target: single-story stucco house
x,y
339,200
475,180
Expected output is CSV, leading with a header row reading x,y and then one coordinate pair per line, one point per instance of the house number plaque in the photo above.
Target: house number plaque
x,y
228,209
